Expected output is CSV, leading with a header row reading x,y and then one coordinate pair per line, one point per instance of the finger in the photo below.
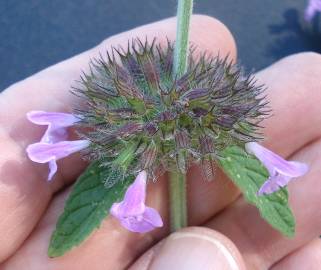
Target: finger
x,y
206,198
29,199
307,257
289,130
192,248
260,245
293,89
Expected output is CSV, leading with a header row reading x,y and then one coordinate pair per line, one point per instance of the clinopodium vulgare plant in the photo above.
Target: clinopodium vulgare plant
x,y
152,109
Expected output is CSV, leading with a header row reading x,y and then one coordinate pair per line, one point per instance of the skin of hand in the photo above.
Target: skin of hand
x,y
228,233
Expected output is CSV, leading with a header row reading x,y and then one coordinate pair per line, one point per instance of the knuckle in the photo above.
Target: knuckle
x,y
307,62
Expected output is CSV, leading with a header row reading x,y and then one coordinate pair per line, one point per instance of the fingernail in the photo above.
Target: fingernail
x,y
197,251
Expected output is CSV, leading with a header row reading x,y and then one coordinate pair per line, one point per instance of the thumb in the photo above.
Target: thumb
x,y
193,248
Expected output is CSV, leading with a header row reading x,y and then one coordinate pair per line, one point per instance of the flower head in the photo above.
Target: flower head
x,y
53,145
281,171
132,212
139,116
313,7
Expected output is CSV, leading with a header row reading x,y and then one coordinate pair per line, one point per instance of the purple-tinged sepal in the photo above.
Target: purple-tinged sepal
x,y
132,212
281,172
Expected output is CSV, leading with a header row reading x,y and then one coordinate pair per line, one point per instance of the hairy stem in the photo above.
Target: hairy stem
x,y
177,200
177,186
184,12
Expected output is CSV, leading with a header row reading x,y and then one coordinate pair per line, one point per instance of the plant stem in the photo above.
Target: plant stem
x,y
184,12
177,186
177,200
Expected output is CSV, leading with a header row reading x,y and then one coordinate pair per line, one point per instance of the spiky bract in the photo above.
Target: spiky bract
x,y
139,116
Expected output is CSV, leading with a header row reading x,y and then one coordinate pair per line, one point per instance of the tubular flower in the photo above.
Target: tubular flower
x,y
281,171
132,212
53,145
313,7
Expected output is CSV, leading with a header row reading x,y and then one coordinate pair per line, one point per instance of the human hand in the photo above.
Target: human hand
x,y
30,206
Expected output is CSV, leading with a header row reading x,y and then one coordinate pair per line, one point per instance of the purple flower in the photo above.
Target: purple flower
x,y
281,171
313,7
132,212
56,122
53,145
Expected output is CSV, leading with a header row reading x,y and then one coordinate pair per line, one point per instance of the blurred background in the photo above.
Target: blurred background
x,y
35,34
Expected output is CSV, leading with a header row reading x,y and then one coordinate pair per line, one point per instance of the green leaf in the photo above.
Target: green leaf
x,y
87,206
249,174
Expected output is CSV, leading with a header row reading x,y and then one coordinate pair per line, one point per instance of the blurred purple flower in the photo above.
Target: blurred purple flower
x,y
313,7
281,171
132,212
53,145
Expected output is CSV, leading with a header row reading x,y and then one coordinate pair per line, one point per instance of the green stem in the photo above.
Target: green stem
x,y
177,200
184,12
177,186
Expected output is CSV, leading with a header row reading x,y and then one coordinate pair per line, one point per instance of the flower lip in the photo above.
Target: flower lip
x,y
57,123
273,184
132,212
51,152
44,152
275,163
49,118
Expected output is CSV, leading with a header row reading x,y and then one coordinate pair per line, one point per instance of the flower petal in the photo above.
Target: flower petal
x,y
275,163
274,184
45,152
153,217
132,212
134,199
114,210
262,154
56,122
294,169
134,225
143,223
52,169
52,118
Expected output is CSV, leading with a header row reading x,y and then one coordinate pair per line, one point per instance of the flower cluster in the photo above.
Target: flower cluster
x,y
140,119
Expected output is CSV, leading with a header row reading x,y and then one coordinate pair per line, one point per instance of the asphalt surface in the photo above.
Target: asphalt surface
x,y
35,34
